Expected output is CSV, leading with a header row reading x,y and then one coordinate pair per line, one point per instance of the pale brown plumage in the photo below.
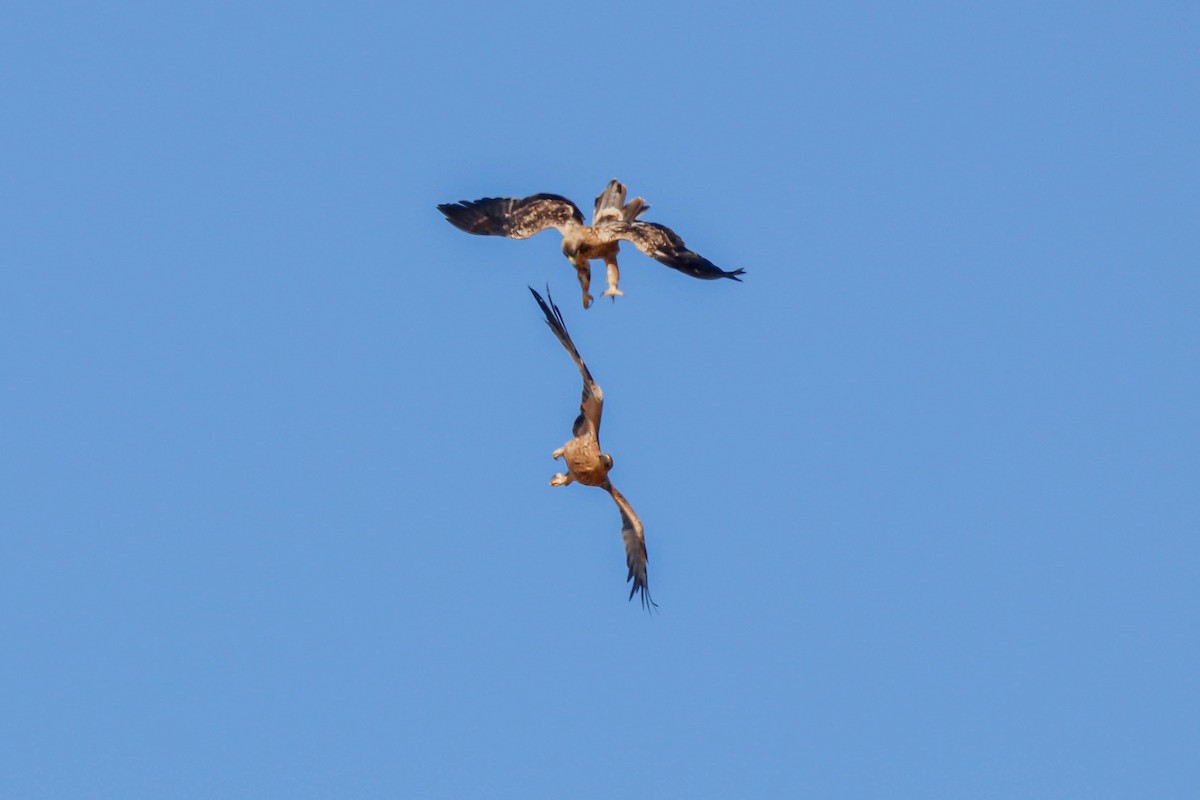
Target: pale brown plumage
x,y
613,220
587,464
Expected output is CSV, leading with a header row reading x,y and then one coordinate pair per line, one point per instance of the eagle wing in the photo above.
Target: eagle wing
x,y
664,245
635,548
591,406
516,218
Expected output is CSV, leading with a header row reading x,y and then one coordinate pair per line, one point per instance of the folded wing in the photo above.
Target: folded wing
x,y
635,549
591,405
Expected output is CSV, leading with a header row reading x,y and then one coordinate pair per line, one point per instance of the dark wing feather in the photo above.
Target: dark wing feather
x,y
516,218
635,549
664,245
591,406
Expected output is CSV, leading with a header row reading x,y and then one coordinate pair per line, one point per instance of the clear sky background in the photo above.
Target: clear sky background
x,y
921,495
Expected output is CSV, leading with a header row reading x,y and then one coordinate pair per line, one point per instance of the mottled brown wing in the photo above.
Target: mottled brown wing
x,y
516,218
591,406
664,245
635,549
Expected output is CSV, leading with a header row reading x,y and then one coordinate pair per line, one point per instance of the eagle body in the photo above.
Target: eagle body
x,y
584,244
613,221
585,463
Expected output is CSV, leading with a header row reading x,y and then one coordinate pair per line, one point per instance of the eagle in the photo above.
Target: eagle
x,y
612,221
590,466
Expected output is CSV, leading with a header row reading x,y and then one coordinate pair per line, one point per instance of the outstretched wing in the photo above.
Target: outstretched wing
x,y
516,218
635,548
664,245
592,404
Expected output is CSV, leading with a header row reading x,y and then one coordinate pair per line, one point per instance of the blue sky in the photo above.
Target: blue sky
x,y
920,494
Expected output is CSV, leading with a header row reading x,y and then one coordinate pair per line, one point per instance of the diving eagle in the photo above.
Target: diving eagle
x,y
612,221
588,465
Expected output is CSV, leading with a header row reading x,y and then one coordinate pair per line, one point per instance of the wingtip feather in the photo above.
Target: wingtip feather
x,y
640,588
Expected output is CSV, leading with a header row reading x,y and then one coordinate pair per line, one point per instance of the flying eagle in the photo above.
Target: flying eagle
x,y
612,221
588,465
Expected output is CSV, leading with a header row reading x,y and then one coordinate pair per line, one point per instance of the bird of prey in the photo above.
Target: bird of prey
x,y
612,221
588,465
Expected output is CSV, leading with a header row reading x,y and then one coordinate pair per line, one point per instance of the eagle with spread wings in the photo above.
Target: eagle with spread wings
x,y
613,220
588,465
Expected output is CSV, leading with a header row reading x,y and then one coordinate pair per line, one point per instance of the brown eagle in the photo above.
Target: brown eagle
x,y
588,465
612,221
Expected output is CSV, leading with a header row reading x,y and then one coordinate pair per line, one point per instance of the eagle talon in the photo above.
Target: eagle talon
x,y
614,293
557,454
560,480
587,300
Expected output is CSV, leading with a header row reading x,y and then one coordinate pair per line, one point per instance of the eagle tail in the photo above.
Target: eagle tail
x,y
610,205
635,208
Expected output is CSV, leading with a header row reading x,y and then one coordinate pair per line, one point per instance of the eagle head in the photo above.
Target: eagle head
x,y
607,460
570,249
